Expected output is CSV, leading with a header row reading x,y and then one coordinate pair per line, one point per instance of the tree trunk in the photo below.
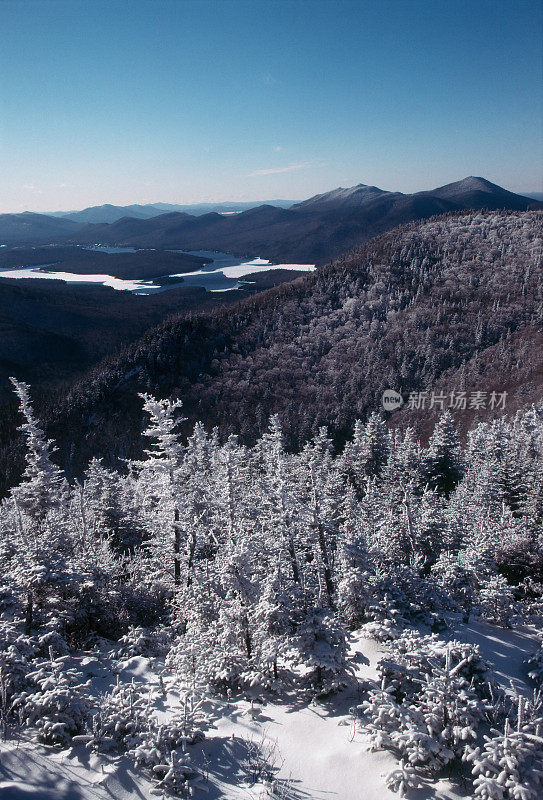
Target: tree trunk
x,y
248,643
190,557
317,524
290,545
326,565
29,613
176,550
293,561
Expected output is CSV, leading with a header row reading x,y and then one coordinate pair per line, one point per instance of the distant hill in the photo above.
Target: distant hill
x,y
109,213
345,199
17,228
478,193
229,207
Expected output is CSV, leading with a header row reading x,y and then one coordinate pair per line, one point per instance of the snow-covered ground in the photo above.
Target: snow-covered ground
x,y
246,268
318,752
202,277
71,277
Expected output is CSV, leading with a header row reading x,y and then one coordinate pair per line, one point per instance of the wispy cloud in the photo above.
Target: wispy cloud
x,y
277,148
29,187
277,170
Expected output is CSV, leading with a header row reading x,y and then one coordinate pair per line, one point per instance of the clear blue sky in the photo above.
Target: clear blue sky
x,y
151,100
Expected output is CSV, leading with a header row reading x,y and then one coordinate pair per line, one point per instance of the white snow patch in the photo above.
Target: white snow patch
x,y
71,277
247,268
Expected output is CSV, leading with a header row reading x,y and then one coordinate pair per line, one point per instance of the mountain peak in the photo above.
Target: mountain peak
x,y
465,186
352,197
476,192
476,183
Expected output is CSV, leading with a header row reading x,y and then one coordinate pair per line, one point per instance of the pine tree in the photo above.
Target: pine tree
x,y
159,486
38,501
43,483
510,765
444,466
353,564
278,496
366,455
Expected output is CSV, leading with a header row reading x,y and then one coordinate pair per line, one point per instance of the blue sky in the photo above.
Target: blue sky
x,y
187,101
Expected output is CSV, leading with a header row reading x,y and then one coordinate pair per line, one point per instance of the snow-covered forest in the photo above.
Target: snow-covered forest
x,y
243,574
451,302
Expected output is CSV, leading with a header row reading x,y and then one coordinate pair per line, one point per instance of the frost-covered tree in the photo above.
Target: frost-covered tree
x,y
443,456
245,566
510,764
43,482
37,527
159,486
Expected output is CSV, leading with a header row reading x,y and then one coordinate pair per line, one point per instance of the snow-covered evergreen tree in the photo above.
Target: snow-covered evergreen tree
x,y
443,456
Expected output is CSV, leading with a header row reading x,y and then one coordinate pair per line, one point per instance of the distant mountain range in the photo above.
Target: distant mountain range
x,y
470,192
314,230
109,213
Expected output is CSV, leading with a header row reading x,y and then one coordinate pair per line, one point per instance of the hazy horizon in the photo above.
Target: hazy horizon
x,y
191,102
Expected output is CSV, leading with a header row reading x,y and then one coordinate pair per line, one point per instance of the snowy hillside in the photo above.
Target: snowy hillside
x,y
233,622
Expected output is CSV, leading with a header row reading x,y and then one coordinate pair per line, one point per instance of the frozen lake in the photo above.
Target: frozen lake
x,y
221,275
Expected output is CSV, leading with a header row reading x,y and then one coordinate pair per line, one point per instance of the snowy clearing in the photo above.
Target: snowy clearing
x,y
317,750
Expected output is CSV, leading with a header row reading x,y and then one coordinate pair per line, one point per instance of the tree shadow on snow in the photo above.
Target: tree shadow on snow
x,y
329,706
30,774
26,775
243,762
506,650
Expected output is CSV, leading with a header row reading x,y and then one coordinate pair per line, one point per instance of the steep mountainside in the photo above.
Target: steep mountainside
x,y
52,332
454,296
